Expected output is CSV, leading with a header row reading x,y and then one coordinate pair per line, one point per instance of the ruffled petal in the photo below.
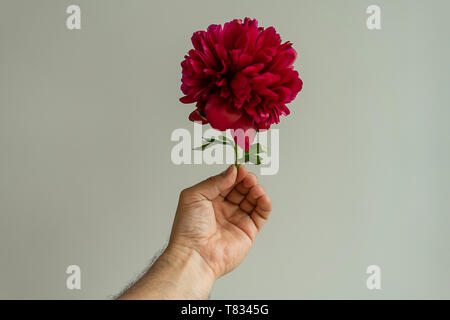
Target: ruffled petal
x,y
197,117
220,114
240,75
243,132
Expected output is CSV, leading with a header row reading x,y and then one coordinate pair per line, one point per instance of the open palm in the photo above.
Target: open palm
x,y
220,217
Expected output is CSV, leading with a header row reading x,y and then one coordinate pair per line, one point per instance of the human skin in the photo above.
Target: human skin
x,y
214,228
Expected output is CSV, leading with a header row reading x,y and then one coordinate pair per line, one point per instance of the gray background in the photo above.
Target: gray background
x,y
85,170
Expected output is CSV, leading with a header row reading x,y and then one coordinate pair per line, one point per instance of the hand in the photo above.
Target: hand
x,y
214,228
220,217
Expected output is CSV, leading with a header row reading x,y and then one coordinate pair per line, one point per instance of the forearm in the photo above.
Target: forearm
x,y
179,273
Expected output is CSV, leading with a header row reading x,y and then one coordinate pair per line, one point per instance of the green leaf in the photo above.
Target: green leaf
x,y
252,158
257,148
246,156
255,159
212,139
203,147
225,140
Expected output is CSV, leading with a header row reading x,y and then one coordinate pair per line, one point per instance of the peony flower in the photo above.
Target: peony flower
x,y
241,77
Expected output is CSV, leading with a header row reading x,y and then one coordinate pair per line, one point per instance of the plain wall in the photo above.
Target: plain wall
x,y
86,176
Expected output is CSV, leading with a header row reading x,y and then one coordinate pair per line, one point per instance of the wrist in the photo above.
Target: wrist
x,y
188,268
180,273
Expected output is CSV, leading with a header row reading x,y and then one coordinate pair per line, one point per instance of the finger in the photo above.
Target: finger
x,y
261,212
249,203
255,192
244,222
216,185
246,206
238,193
241,174
249,181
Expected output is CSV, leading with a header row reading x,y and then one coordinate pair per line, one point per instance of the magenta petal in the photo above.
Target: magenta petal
x,y
196,116
241,76
243,132
220,114
187,99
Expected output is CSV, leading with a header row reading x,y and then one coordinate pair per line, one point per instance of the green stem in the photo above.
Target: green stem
x,y
236,163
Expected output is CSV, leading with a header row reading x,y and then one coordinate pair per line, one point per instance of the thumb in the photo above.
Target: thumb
x,y
216,185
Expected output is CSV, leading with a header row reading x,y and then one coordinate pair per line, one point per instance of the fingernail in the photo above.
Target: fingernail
x,y
229,169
